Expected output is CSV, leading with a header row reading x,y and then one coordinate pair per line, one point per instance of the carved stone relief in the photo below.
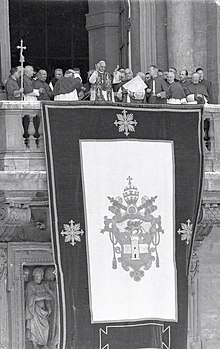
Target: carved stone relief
x,y
23,261
204,280
12,215
37,229
41,311
194,304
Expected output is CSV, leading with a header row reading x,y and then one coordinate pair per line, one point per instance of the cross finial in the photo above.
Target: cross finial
x,y
129,179
22,48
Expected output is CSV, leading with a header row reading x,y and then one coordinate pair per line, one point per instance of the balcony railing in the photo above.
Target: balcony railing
x,y
21,140
22,145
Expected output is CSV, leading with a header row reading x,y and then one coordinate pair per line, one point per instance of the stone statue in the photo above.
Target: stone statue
x,y
38,310
50,278
26,274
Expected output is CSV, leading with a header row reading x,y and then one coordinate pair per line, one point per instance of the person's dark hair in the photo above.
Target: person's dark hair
x,y
159,70
173,68
198,69
154,66
187,73
58,69
13,70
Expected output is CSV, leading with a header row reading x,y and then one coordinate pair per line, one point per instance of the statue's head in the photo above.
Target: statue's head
x,y
38,275
26,273
50,274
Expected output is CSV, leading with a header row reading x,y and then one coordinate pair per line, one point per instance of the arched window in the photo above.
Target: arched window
x,y
53,31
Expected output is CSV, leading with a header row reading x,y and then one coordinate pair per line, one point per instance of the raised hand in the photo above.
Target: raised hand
x,y
97,67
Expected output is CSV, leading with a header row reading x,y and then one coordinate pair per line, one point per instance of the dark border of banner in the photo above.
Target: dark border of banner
x,y
54,225
135,325
202,152
174,232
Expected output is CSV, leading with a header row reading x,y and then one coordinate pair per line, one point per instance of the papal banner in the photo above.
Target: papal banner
x,y
124,189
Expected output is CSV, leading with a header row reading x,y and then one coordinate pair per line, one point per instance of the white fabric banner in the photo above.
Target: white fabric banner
x,y
131,252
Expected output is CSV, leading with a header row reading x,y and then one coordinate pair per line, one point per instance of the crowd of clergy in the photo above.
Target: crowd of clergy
x,y
153,87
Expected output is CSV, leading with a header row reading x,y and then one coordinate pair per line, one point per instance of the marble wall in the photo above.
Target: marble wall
x,y
209,281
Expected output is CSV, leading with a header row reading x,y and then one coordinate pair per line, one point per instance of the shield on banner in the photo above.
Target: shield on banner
x,y
124,187
134,232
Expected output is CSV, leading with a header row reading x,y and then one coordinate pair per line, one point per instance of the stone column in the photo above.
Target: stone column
x,y
180,34
5,55
102,26
200,29
212,47
147,34
161,34
135,36
217,94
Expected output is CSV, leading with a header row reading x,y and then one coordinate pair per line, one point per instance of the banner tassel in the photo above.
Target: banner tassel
x,y
114,263
157,260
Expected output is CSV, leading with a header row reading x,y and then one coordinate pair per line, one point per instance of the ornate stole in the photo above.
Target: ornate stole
x,y
103,83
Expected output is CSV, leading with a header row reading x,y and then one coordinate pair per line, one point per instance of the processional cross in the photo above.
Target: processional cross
x,y
22,48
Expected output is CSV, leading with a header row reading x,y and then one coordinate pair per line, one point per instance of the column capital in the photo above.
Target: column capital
x,y
5,54
15,211
13,215
208,217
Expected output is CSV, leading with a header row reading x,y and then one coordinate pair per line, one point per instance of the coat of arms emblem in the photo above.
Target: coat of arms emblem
x,y
133,231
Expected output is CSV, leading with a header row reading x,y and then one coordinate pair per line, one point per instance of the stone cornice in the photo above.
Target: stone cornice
x,y
23,180
20,105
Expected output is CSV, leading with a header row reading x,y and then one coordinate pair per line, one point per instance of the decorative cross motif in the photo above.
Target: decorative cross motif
x,y
22,48
72,232
125,122
129,179
186,231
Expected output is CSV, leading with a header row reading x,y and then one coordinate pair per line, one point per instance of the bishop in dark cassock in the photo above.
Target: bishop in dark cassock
x,y
68,87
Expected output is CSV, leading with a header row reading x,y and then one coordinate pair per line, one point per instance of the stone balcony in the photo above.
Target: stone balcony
x,y
22,143
23,167
22,156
